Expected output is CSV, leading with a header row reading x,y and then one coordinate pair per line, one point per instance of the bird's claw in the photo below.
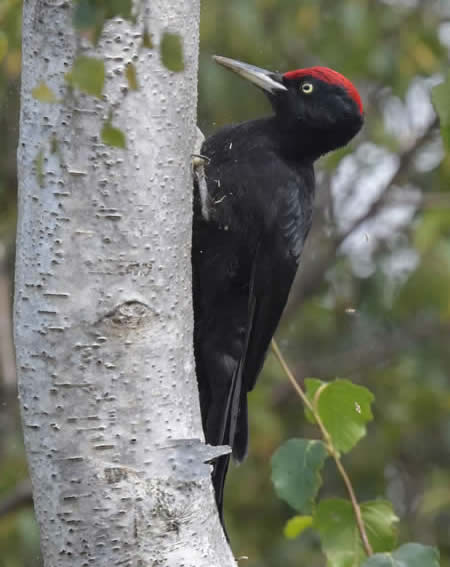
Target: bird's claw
x,y
198,160
198,171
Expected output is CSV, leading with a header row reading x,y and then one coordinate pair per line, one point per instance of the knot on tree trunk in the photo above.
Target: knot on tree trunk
x,y
130,315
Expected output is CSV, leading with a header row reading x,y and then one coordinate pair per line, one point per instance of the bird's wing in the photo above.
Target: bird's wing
x,y
275,267
270,289
271,292
273,271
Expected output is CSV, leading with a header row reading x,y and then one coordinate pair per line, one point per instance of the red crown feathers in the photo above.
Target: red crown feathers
x,y
329,76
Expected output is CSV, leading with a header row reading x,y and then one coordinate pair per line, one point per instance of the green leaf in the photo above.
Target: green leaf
x,y
121,8
296,467
408,555
344,409
54,145
88,75
39,167
296,525
89,18
171,50
113,136
440,97
86,14
312,385
130,73
43,93
90,15
147,40
334,519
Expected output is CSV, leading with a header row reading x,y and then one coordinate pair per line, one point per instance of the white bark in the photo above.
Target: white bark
x,y
103,315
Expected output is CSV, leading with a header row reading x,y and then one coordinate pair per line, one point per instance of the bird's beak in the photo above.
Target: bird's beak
x,y
263,79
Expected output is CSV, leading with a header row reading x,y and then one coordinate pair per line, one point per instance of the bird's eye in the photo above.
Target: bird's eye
x,y
307,88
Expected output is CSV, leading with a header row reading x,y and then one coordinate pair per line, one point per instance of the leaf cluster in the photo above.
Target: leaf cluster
x,y
351,534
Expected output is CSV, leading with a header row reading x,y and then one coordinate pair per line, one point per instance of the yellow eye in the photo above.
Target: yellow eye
x,y
307,88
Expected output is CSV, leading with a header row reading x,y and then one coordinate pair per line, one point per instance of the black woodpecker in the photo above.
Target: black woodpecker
x,y
252,214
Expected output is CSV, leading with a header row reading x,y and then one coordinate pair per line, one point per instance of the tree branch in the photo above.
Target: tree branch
x,y
312,277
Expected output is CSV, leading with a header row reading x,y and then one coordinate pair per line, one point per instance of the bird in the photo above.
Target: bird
x,y
252,212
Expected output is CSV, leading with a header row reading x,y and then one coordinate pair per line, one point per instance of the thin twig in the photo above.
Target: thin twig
x,y
290,376
330,448
356,507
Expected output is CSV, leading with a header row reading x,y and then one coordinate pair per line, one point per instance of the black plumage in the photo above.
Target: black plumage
x,y
250,224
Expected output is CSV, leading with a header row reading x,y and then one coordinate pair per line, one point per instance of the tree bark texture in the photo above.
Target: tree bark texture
x,y
103,313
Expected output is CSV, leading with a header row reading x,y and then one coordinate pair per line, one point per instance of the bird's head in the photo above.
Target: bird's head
x,y
316,102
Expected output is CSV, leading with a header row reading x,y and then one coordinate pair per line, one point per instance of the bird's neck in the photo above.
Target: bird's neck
x,y
299,141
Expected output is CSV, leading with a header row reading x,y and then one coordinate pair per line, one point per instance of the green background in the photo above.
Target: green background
x,y
375,310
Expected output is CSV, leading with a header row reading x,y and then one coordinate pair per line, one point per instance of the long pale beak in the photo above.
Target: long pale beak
x,y
263,79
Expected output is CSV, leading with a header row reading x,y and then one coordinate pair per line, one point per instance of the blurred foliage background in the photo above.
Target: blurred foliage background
x,y
372,299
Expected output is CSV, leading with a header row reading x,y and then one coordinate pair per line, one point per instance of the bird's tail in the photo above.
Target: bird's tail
x,y
218,477
221,465
240,440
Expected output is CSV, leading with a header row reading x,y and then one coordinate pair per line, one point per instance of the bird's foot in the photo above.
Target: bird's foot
x,y
199,160
198,172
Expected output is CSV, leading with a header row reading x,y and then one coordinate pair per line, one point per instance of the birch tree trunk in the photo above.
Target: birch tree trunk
x,y
103,314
